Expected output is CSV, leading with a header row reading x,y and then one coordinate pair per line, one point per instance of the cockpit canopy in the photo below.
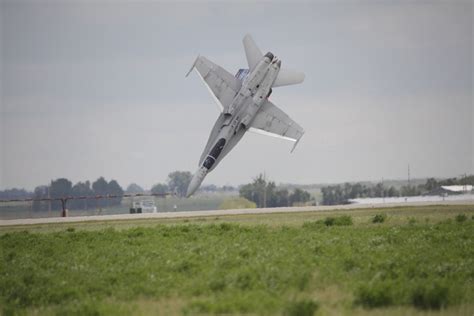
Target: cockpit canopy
x,y
214,154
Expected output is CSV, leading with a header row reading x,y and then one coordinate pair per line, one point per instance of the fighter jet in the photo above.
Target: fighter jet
x,y
243,101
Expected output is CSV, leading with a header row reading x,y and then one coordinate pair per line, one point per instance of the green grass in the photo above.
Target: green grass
x,y
288,264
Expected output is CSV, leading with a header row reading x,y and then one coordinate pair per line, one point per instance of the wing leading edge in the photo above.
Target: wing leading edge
x,y
272,121
222,85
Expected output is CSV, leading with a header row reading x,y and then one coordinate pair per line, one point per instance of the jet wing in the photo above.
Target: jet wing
x,y
272,121
222,85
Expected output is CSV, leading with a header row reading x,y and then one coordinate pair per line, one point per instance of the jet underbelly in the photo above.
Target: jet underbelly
x,y
230,144
212,137
243,100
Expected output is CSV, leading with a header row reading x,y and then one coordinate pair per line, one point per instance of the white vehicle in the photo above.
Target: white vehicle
x,y
145,206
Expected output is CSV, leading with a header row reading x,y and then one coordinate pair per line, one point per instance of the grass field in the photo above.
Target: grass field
x,y
399,261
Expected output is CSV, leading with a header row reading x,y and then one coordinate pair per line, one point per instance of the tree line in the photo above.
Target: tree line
x,y
178,182
15,193
260,191
342,193
266,194
62,187
432,183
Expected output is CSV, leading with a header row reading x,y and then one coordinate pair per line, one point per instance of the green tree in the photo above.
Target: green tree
x,y
113,188
431,184
333,194
392,191
270,195
100,188
281,198
357,191
257,191
449,181
82,189
159,188
40,192
409,190
178,181
134,188
247,191
466,180
299,196
15,193
209,188
265,194
226,188
60,188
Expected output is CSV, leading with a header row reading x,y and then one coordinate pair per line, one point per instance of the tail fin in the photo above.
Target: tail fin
x,y
252,52
287,77
254,55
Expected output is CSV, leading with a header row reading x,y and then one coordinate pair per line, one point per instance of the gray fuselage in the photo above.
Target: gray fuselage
x,y
234,121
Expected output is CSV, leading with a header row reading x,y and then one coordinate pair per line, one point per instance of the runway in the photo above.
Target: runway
x,y
187,214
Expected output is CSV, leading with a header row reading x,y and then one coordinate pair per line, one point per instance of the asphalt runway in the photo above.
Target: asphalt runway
x,y
118,217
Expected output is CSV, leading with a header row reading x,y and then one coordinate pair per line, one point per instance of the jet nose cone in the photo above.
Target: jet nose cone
x,y
191,189
196,181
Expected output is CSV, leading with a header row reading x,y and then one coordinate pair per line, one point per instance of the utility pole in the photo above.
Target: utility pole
x,y
49,198
464,185
408,174
383,192
264,190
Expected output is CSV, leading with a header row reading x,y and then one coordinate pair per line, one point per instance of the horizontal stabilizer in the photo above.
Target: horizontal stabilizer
x,y
288,77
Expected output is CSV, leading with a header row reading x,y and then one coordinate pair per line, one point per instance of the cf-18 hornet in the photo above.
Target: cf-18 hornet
x,y
244,104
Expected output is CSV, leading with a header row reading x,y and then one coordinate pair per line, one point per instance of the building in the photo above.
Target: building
x,y
451,190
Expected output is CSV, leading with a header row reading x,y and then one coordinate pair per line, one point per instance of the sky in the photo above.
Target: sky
x,y
98,88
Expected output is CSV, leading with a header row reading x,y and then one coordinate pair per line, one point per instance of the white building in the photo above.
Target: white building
x,y
457,188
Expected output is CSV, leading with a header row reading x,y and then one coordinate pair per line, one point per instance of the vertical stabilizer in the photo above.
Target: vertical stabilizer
x,y
252,52
287,77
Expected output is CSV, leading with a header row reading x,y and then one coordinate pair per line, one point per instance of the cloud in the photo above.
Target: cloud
x,y
93,89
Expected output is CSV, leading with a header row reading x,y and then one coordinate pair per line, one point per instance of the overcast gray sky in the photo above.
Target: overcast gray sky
x,y
96,88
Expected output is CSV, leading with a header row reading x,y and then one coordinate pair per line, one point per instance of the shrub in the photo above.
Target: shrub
x,y
301,308
338,221
225,226
461,218
329,221
245,281
345,220
217,285
379,218
374,296
430,297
